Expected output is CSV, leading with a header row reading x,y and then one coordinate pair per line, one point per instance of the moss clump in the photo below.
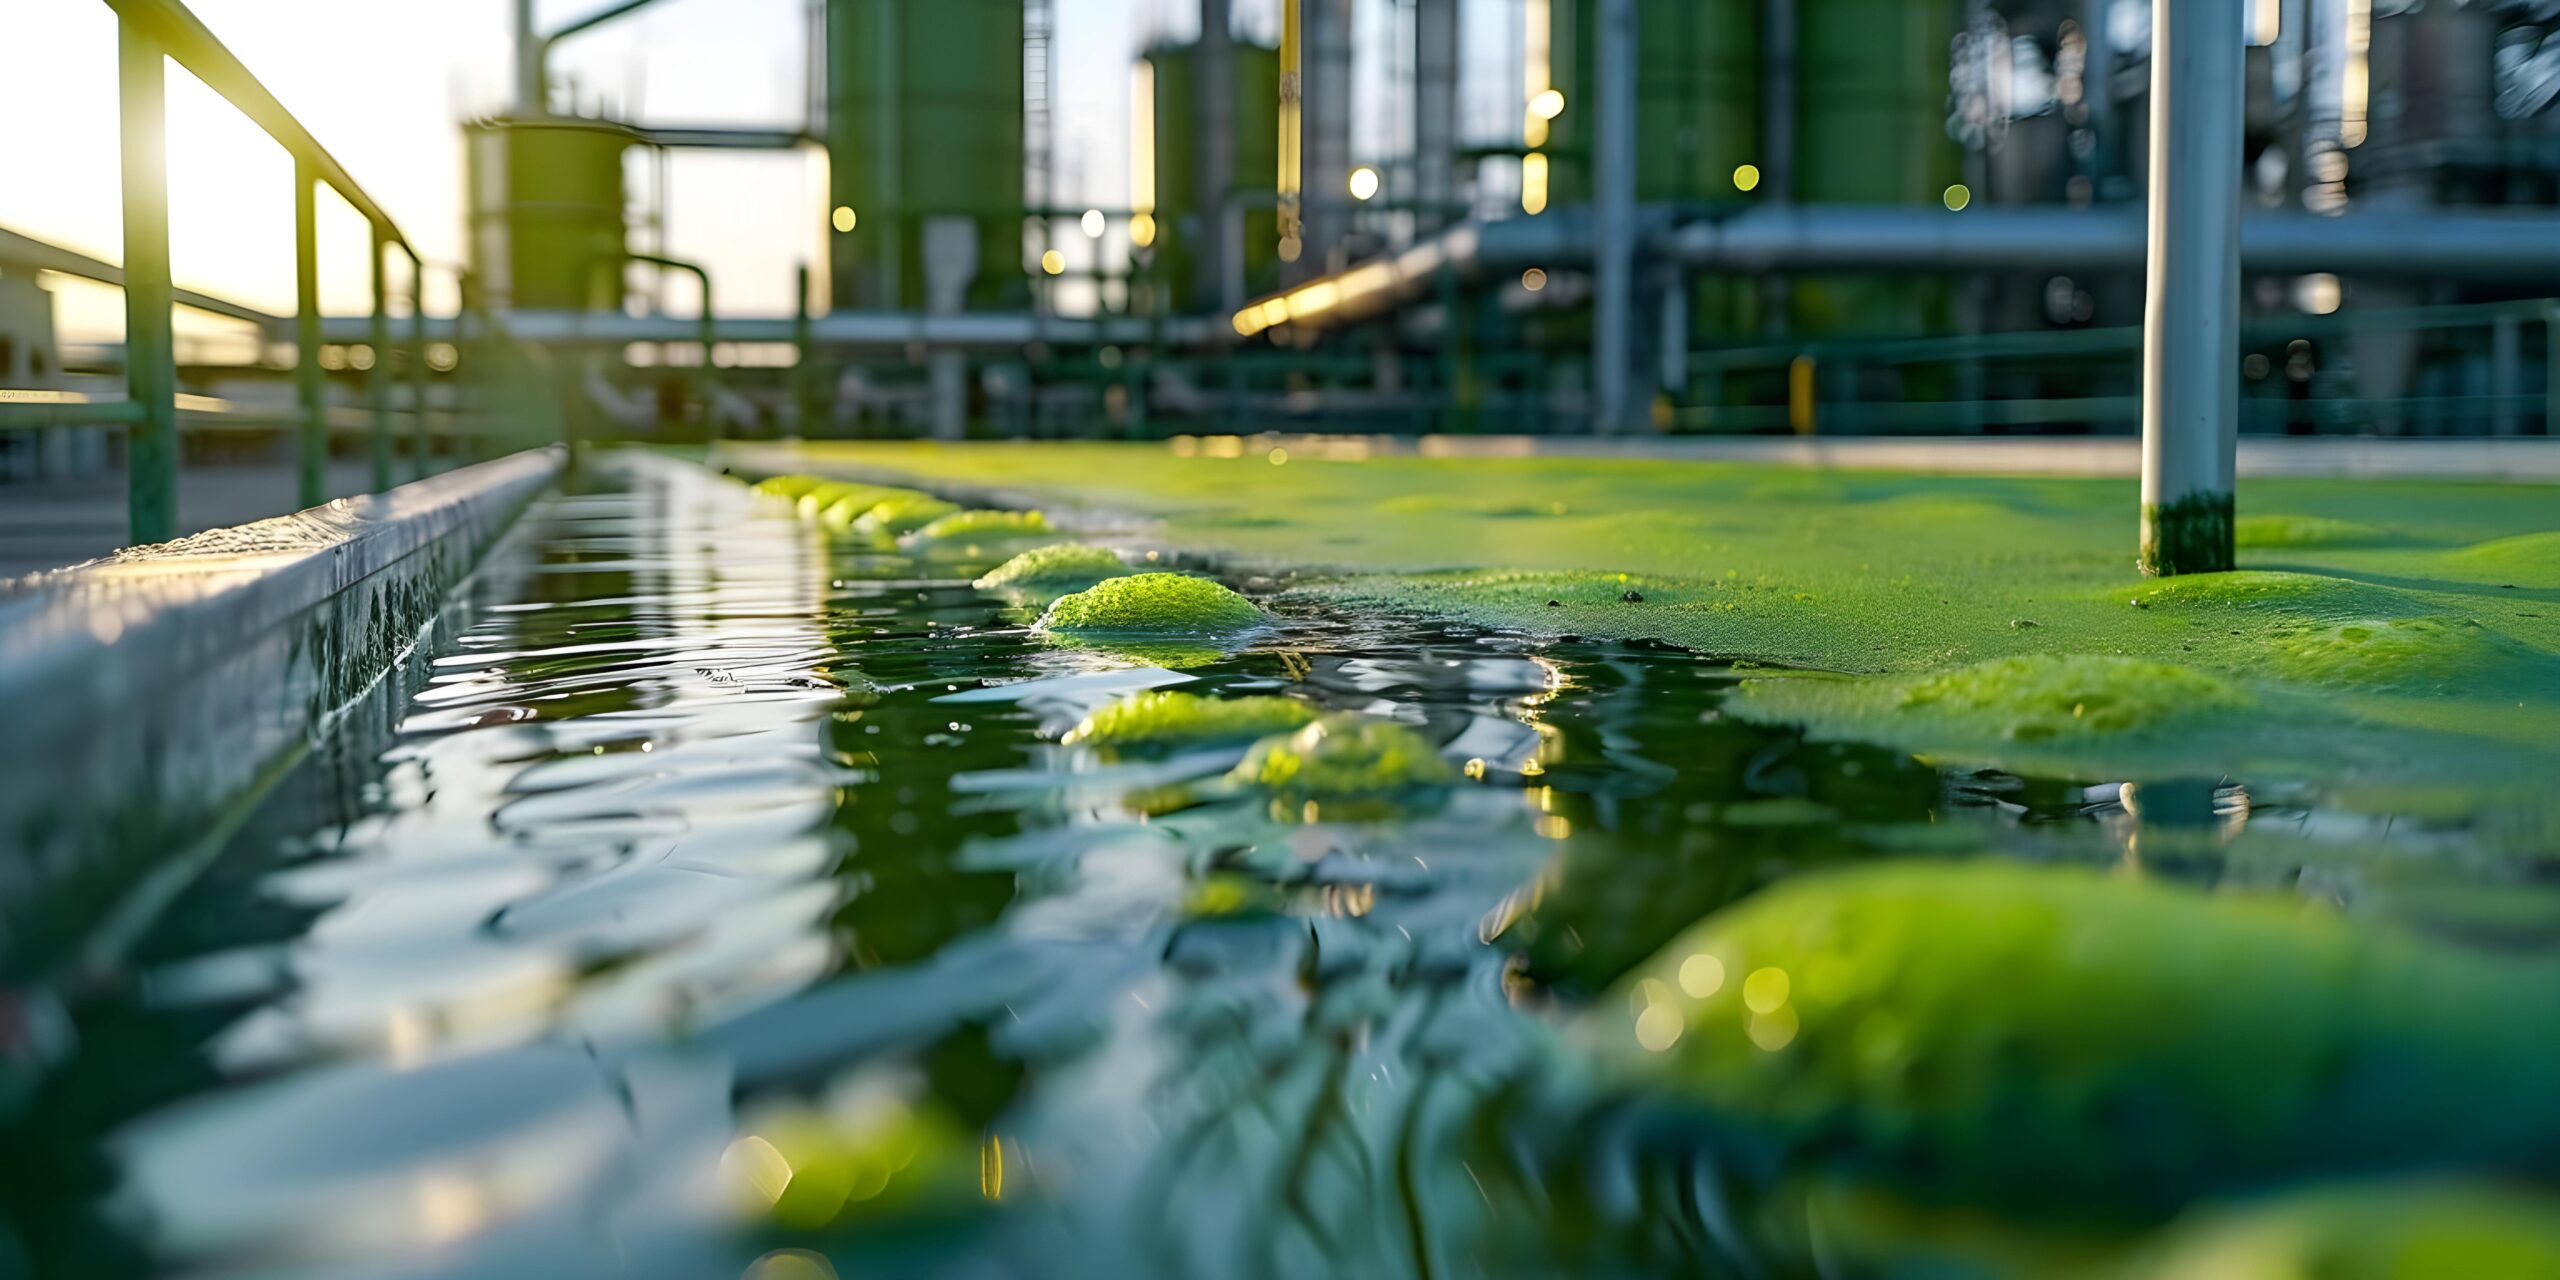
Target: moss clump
x,y
849,503
1153,604
2035,698
788,488
1998,1034
2532,560
2038,697
985,526
1343,757
2275,532
1160,717
1056,569
2376,1232
903,513
2389,651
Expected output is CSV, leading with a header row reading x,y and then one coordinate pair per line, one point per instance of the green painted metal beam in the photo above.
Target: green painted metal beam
x,y
151,363
313,451
377,382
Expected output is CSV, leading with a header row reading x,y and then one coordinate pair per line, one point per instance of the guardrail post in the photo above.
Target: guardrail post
x,y
150,349
377,380
2551,368
422,443
312,443
2190,337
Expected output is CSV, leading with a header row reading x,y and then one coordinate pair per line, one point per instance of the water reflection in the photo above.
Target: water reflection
x,y
719,900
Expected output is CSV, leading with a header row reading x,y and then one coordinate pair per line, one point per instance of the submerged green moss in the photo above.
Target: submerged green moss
x,y
1153,604
1165,717
1345,756
1057,569
2386,1231
2033,699
1989,1032
984,525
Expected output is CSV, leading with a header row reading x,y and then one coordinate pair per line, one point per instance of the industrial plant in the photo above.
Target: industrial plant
x,y
988,639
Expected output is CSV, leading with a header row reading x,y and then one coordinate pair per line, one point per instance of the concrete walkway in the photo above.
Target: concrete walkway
x,y
49,523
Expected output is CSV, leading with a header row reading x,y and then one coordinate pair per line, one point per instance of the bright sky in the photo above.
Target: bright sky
x,y
382,84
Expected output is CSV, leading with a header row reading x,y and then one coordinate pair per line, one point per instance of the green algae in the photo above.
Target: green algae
x,y
2529,560
1998,1034
2191,535
2034,699
1166,717
1885,573
984,525
1163,604
789,488
2382,1231
2285,531
903,513
1055,570
2397,651
1342,757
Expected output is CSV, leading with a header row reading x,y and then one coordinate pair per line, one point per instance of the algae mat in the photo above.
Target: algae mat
x,y
2401,635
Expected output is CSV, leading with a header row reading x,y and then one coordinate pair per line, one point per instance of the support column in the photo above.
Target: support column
x,y
1325,130
377,379
2190,378
1614,212
1213,158
150,349
1435,110
312,440
421,443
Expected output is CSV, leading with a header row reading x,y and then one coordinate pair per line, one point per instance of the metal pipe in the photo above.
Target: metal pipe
x,y
27,251
1614,209
2508,248
2191,310
150,348
377,379
531,96
313,439
706,379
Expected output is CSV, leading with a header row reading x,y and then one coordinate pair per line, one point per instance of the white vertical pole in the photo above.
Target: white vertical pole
x,y
1614,212
2190,383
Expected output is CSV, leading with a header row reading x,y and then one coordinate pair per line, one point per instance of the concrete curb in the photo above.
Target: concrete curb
x,y
149,692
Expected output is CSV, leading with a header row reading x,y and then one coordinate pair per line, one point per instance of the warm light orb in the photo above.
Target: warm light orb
x,y
1547,104
1142,230
1746,177
1533,279
1054,262
1364,183
843,218
1093,223
1958,196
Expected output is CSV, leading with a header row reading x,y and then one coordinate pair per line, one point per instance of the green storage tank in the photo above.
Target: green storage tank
x,y
1697,97
1180,223
547,211
1872,129
924,120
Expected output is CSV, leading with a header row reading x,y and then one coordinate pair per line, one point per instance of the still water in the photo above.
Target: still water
x,y
710,900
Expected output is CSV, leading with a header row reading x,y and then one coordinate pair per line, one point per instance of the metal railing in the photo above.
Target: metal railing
x,y
1818,381
150,34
